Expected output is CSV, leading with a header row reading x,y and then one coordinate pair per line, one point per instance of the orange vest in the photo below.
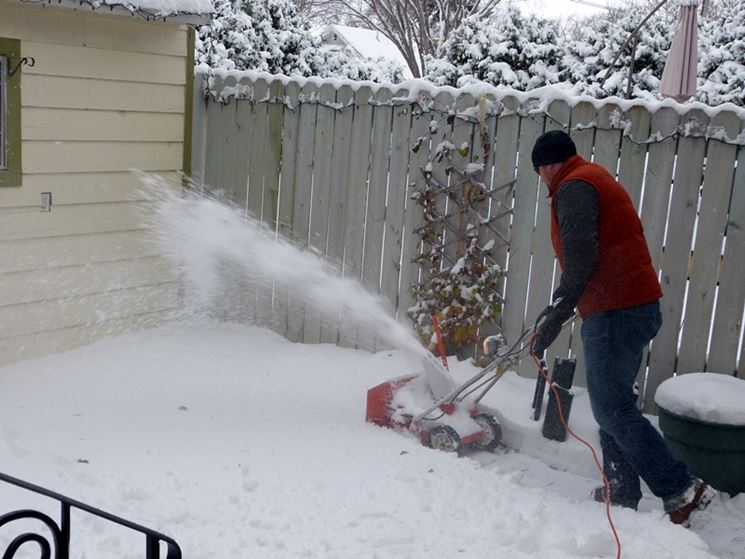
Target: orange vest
x,y
624,276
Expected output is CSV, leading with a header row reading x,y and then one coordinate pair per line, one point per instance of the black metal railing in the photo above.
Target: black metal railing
x,y
60,533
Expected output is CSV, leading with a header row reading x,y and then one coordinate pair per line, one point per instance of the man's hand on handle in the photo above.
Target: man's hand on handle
x,y
548,325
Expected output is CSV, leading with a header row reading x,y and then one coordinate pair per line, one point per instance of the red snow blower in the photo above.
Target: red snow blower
x,y
442,414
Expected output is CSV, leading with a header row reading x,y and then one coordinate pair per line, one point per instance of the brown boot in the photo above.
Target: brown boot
x,y
598,494
680,507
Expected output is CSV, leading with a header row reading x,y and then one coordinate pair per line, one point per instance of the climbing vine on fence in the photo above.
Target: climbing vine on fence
x,y
459,277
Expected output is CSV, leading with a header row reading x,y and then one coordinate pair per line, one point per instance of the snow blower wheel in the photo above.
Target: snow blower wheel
x,y
444,438
492,436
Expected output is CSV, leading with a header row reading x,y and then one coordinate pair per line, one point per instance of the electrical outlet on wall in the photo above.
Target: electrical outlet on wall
x,y
46,201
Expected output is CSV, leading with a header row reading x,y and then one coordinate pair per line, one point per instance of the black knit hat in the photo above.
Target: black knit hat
x,y
552,147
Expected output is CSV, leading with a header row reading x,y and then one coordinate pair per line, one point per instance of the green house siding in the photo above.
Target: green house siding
x,y
10,116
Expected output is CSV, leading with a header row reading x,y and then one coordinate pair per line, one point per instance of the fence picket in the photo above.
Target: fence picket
x,y
199,130
376,196
505,165
242,140
484,142
484,136
356,196
636,122
217,128
273,155
458,217
340,164
270,199
657,185
583,122
286,202
708,247
301,200
674,275
319,205
394,219
257,156
731,298
228,151
526,192
442,123
608,138
658,181
257,150
413,212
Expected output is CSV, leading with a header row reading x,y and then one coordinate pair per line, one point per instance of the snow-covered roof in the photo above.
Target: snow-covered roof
x,y
182,11
367,43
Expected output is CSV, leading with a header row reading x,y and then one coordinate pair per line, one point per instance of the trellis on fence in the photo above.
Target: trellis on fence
x,y
330,166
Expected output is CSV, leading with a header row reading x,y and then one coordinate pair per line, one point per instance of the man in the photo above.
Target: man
x,y
607,274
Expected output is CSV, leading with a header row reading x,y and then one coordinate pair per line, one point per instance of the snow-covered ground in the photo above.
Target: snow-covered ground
x,y
240,444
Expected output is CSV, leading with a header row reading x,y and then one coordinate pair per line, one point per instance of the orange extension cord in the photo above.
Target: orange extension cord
x,y
544,373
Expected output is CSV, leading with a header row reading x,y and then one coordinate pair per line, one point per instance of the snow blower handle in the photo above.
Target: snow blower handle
x,y
545,312
440,341
546,328
540,382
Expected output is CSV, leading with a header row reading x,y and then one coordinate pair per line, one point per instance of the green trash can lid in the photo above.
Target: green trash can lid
x,y
710,397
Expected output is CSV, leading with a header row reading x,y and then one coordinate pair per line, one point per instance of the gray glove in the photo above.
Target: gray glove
x,y
548,330
548,325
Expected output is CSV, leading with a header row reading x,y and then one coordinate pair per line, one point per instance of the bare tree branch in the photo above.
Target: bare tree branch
x,y
417,28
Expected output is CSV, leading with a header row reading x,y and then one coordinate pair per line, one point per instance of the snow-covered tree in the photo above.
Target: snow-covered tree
x,y
264,35
343,63
595,41
510,49
721,66
592,51
418,28
270,36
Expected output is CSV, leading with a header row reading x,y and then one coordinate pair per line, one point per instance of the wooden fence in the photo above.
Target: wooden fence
x,y
330,166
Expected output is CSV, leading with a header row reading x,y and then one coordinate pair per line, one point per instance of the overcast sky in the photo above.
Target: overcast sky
x,y
558,8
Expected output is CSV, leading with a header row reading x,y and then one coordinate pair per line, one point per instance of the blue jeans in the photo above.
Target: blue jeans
x,y
614,343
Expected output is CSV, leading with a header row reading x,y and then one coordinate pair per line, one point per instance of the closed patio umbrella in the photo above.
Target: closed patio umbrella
x,y
679,76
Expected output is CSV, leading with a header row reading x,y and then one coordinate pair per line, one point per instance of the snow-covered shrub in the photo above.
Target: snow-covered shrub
x,y
721,65
463,296
270,36
596,43
263,35
332,62
510,49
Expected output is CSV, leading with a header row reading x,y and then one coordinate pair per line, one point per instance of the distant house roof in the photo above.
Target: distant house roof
x,y
182,11
366,43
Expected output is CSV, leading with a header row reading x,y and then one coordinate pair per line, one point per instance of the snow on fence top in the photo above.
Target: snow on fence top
x,y
149,9
224,85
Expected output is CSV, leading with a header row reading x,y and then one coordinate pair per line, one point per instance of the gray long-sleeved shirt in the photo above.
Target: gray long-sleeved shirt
x,y
576,204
